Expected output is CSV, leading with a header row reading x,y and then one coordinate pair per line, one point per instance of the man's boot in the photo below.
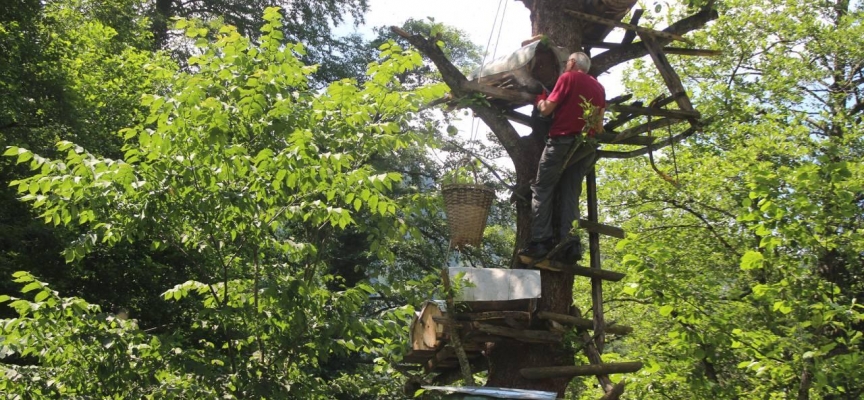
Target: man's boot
x,y
537,250
572,253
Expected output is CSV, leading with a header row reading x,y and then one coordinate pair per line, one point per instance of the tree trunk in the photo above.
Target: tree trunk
x,y
507,358
161,17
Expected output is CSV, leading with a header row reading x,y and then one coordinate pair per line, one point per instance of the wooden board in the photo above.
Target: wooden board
x,y
551,265
596,227
580,370
426,334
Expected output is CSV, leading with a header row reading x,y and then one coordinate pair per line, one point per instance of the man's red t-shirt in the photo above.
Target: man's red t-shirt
x,y
572,89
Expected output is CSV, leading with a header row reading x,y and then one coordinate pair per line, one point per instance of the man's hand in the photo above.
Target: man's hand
x,y
540,97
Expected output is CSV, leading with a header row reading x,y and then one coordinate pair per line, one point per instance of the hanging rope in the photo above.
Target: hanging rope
x,y
667,178
475,127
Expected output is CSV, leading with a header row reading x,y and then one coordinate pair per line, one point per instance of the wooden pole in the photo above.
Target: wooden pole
x,y
570,371
673,81
594,250
455,340
582,323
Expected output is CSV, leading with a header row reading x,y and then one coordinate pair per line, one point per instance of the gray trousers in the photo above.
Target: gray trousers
x,y
547,187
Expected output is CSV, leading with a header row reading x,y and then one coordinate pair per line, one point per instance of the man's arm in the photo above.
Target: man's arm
x,y
546,107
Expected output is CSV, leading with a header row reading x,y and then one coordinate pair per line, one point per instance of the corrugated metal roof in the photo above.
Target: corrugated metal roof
x,y
497,393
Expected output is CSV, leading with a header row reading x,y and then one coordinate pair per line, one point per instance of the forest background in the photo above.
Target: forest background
x,y
243,206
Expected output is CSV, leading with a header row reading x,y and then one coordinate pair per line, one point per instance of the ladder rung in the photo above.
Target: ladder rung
x,y
597,227
557,266
569,371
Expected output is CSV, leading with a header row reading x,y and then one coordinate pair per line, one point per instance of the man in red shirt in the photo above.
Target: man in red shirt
x,y
574,89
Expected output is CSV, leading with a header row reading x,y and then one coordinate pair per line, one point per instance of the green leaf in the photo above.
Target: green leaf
x,y
666,310
31,286
751,260
41,296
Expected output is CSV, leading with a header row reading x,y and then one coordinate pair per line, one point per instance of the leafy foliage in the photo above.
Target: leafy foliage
x,y
747,268
247,171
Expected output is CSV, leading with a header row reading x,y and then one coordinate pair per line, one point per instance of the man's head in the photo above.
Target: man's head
x,y
578,62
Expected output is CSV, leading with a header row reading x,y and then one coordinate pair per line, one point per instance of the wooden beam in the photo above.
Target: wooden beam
x,y
570,371
692,52
582,323
638,29
657,112
681,51
596,227
673,81
552,265
645,150
633,140
626,136
522,335
594,251
518,117
634,20
619,99
487,315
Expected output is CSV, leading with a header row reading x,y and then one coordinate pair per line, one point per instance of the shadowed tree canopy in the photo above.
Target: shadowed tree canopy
x,y
310,22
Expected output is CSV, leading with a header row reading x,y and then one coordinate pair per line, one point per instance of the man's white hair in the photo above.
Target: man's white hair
x,y
583,62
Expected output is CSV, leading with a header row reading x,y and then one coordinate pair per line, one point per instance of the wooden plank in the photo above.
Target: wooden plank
x,y
626,135
645,150
681,51
518,117
418,356
657,112
487,315
594,357
596,227
692,52
673,81
557,266
638,29
619,99
630,137
594,251
447,358
482,338
634,20
633,140
522,335
582,323
570,371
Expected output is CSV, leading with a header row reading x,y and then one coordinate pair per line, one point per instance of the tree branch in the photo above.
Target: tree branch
x,y
493,117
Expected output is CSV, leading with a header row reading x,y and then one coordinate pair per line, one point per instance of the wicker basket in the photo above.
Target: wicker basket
x,y
467,207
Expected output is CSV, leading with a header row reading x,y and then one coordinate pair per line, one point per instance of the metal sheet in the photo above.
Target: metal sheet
x,y
495,393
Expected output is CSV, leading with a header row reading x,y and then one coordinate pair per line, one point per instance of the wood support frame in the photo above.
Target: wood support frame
x,y
580,370
638,29
582,323
557,266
